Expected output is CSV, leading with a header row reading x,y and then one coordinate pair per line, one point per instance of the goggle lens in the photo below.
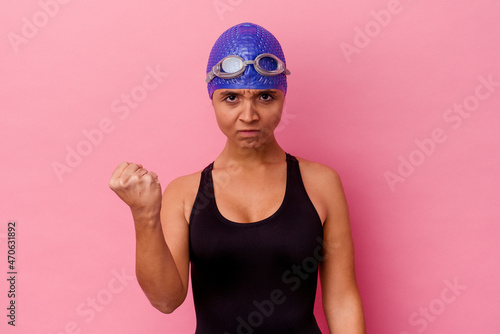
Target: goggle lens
x,y
268,64
232,65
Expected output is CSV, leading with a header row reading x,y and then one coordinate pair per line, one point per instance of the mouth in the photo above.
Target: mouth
x,y
248,133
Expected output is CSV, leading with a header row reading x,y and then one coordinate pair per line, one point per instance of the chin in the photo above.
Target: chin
x,y
253,144
250,143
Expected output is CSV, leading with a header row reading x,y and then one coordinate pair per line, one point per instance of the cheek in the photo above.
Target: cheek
x,y
224,120
220,121
275,118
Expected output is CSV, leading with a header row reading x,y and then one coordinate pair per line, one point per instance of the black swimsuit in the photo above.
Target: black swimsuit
x,y
260,277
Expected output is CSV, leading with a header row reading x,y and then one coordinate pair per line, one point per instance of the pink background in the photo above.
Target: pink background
x,y
373,88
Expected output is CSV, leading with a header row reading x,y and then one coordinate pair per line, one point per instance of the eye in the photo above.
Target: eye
x,y
230,98
267,97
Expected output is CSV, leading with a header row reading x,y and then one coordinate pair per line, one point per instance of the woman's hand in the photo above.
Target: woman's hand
x,y
139,188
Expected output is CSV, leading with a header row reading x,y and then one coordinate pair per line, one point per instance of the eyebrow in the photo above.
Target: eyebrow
x,y
258,92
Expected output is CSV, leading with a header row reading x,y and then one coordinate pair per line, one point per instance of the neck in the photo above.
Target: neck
x,y
270,152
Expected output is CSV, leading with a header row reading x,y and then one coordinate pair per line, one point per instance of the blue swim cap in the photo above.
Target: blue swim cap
x,y
248,41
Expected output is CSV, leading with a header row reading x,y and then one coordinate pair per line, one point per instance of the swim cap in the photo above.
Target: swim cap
x,y
248,41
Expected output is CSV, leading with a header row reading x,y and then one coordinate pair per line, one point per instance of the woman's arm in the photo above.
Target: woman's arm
x,y
162,253
341,300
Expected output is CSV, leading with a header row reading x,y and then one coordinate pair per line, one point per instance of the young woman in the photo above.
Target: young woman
x,y
256,224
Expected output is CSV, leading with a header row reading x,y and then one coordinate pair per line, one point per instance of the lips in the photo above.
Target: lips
x,y
248,132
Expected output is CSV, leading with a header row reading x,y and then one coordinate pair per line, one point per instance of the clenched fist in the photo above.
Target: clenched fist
x,y
137,187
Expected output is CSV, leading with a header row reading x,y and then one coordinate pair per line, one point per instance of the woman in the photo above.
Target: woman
x,y
256,224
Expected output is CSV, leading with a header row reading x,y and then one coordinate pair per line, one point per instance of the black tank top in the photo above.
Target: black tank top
x,y
260,277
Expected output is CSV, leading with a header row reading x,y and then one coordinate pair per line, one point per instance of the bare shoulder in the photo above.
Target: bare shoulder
x,y
323,186
180,193
182,184
319,175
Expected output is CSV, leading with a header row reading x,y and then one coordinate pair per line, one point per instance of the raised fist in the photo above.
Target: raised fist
x,y
137,187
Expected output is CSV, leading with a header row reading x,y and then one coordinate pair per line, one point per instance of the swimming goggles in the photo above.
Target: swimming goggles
x,y
233,66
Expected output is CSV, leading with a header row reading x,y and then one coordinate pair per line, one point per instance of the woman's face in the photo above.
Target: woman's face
x,y
248,117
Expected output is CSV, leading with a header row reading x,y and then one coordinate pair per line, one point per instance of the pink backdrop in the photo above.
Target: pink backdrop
x,y
402,98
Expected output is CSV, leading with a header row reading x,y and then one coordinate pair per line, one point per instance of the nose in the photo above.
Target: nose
x,y
248,112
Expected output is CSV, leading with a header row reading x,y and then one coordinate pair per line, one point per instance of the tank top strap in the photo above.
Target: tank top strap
x,y
205,192
206,175
294,179
290,157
